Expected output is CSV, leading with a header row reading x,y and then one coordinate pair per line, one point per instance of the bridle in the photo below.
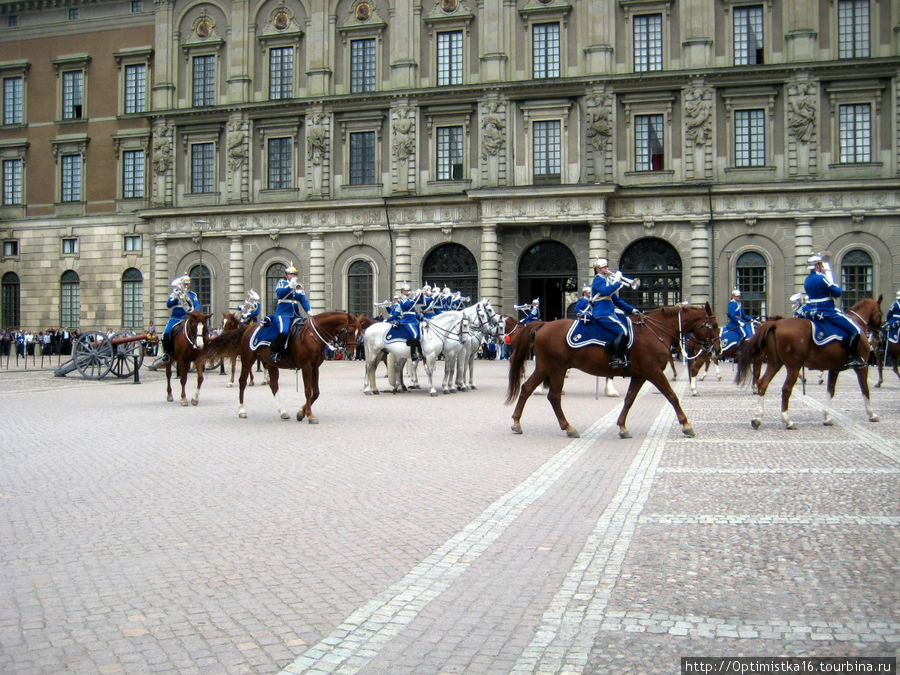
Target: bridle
x,y
706,344
316,330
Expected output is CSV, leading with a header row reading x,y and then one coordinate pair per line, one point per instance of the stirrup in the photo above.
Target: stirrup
x,y
855,362
618,363
274,357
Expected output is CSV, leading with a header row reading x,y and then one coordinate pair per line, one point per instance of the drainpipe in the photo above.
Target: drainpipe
x,y
712,237
387,218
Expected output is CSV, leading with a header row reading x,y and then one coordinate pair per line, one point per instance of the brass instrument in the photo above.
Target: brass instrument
x,y
634,284
826,266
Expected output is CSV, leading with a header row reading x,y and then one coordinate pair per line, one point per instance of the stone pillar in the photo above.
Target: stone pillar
x,y
597,245
316,291
700,263
402,259
490,264
161,277
236,292
803,248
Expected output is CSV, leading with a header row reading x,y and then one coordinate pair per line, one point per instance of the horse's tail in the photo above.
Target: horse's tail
x,y
750,350
226,344
520,341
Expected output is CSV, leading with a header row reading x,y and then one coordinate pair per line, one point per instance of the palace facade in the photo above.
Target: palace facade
x,y
496,147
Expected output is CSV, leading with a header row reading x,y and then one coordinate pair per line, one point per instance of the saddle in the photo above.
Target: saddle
x,y
265,332
821,333
582,334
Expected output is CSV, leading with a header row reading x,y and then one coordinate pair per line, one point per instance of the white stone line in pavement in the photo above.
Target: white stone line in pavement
x,y
749,470
886,446
782,630
563,641
361,636
737,519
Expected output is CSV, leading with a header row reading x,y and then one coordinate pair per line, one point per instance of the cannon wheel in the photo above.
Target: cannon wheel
x,y
125,352
93,355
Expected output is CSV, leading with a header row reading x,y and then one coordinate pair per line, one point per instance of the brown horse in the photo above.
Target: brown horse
x,y
789,343
654,334
885,350
305,350
188,340
227,344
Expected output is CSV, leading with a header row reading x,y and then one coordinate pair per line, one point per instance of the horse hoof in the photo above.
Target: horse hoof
x,y
471,386
828,423
368,393
572,433
242,415
874,418
695,393
230,385
434,392
756,424
184,403
300,416
313,420
194,401
719,378
688,431
169,399
791,426
516,428
625,434
285,416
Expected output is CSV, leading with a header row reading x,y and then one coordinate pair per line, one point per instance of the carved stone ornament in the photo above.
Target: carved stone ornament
x,y
449,6
282,20
698,114
802,110
204,28
363,11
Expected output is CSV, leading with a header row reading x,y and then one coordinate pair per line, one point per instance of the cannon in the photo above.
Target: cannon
x,y
95,355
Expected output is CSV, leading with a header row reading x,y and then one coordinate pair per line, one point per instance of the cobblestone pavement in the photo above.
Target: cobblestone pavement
x,y
410,534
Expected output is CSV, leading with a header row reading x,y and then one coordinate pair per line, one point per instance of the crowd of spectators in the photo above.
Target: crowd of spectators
x,y
19,342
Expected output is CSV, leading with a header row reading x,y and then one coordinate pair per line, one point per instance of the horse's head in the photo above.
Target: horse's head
x,y
195,328
230,321
868,310
701,321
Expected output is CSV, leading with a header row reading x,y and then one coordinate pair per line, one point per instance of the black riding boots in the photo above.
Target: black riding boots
x,y
616,351
851,343
276,348
415,349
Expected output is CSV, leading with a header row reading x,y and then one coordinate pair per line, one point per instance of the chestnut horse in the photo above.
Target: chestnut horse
x,y
227,344
886,349
789,343
305,350
655,332
188,339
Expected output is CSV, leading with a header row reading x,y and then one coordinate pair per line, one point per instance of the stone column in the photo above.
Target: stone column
x,y
316,291
597,246
490,264
803,248
161,276
402,259
700,263
236,281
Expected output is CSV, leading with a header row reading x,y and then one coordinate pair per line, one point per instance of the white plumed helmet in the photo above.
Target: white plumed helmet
x,y
813,260
601,262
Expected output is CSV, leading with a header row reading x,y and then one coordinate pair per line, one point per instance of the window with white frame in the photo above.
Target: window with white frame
x,y
135,88
72,94
203,79
748,35
133,179
450,57
281,73
132,243
450,153
12,181
362,158
855,133
10,248
70,178
750,138
70,299
853,29
362,65
649,148
70,245
751,277
857,275
279,159
132,299
13,101
203,167
648,42
546,151
545,50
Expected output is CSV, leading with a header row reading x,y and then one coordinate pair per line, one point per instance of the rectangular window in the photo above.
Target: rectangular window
x,y
12,182
73,13
748,35
72,94
279,160
70,246
133,304
136,88
545,50
12,100
450,153
204,80
136,6
853,29
648,48
70,304
648,143
133,174
450,58
362,65
855,133
12,20
547,152
856,283
281,73
71,178
752,282
362,158
749,138
10,248
132,243
203,157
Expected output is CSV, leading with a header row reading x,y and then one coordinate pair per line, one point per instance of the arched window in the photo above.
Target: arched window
x,y
69,300
201,284
856,277
11,312
454,266
274,274
359,288
132,299
751,279
657,264
548,271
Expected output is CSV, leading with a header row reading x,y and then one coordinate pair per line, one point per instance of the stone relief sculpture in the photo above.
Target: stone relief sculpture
x,y
404,126
802,110
698,114
237,144
162,149
598,120
493,130
315,139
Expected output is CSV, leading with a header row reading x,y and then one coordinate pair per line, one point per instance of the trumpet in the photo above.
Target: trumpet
x,y
634,284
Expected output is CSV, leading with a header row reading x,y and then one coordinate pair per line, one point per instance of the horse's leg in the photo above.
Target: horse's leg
x,y
634,386
663,385
718,373
554,395
537,377
169,381
233,363
306,410
273,385
246,370
789,381
674,372
762,386
199,366
372,358
693,370
862,375
610,391
184,369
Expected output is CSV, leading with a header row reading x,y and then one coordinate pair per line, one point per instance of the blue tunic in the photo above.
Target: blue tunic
x,y
739,327
820,307
604,308
534,314
289,304
405,317
251,318
892,323
582,308
178,312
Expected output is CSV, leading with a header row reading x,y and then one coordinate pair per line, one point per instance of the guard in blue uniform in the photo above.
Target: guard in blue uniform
x,y
532,311
405,317
583,305
821,291
892,322
427,302
182,301
739,326
446,301
291,299
249,310
604,302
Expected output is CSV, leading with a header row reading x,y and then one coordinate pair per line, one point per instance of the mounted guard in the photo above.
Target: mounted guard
x,y
404,318
891,329
582,307
248,311
182,301
740,325
532,311
829,323
610,327
291,299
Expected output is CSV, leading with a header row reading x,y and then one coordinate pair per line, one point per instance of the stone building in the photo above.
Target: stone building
x,y
494,147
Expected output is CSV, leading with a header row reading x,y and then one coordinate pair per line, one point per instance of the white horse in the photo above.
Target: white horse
x,y
489,328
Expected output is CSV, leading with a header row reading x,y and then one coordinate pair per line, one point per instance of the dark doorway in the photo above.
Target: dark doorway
x,y
547,271
657,264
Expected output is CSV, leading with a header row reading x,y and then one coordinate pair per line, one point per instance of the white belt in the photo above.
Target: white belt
x,y
819,300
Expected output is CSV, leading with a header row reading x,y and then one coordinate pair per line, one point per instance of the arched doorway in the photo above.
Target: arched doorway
x,y
657,264
454,266
548,270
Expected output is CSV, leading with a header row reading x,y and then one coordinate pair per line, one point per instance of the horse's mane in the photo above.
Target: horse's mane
x,y
672,310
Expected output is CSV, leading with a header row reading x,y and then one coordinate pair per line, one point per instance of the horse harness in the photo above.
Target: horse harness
x,y
706,345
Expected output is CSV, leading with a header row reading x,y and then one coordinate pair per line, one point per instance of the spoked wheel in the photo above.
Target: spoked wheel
x,y
93,355
123,364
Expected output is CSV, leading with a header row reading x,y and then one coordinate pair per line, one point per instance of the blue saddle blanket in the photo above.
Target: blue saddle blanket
x,y
265,332
730,337
822,333
582,334
892,332
400,332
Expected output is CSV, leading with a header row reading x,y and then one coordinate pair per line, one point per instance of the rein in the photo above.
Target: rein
x,y
313,326
653,324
